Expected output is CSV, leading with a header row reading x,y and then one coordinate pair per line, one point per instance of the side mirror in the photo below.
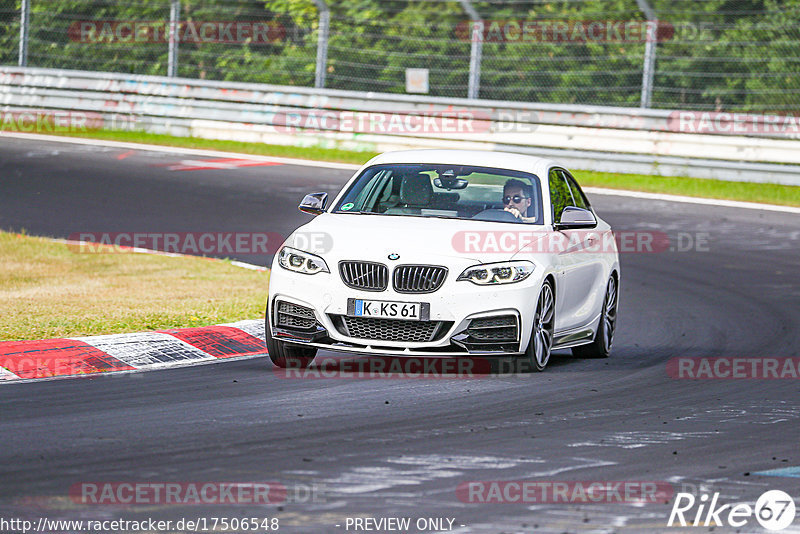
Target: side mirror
x,y
573,218
314,203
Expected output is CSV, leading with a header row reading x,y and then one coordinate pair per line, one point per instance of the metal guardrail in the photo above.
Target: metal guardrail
x,y
585,137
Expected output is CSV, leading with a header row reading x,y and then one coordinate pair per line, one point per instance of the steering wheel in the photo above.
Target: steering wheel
x,y
498,215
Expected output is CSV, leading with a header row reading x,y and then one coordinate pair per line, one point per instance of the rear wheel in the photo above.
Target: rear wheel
x,y
286,355
604,338
538,352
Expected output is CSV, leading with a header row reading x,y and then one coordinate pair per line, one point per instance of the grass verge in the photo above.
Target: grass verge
x,y
47,290
694,187
786,195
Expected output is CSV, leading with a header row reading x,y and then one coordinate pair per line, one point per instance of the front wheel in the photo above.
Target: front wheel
x,y
538,352
286,355
604,338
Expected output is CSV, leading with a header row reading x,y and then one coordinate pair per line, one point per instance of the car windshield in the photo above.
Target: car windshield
x,y
447,191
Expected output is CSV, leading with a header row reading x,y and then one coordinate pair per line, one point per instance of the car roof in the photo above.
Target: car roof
x,y
482,158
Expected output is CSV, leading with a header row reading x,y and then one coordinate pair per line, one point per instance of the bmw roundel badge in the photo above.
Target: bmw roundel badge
x,y
394,256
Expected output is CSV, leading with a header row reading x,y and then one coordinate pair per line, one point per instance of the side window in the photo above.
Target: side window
x,y
560,196
577,195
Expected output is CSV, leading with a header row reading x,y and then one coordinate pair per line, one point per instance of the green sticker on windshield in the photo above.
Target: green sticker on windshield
x,y
348,206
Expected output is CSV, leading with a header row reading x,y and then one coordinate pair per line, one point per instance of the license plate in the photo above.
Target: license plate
x,y
384,309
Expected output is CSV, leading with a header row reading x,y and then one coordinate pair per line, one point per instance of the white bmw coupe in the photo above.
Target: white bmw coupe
x,y
447,253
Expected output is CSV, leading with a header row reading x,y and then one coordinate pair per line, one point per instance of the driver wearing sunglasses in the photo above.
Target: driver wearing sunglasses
x,y
517,199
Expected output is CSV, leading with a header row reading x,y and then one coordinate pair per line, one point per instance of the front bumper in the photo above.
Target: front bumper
x,y
465,319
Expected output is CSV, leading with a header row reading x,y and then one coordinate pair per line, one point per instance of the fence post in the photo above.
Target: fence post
x,y
24,23
174,33
475,50
649,62
322,43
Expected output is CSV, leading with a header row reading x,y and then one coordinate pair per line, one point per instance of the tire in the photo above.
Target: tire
x,y
604,337
286,355
537,355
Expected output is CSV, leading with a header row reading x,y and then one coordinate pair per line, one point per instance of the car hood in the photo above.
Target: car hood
x,y
425,240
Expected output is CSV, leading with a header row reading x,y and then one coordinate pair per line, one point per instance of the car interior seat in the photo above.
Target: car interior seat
x,y
416,193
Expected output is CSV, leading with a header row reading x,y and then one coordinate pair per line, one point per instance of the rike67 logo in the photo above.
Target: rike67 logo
x,y
774,510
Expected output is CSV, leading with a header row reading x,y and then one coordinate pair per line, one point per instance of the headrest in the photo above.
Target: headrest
x,y
416,189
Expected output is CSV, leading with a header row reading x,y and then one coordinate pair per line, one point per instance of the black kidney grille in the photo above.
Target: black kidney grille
x,y
365,275
418,278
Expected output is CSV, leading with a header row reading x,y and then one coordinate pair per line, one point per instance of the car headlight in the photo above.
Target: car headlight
x,y
301,262
498,273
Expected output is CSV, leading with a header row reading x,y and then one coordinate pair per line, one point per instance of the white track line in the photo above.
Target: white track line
x,y
348,166
250,266
140,250
179,150
5,374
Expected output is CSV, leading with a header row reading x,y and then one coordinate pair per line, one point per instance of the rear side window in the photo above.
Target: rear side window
x,y
560,196
579,199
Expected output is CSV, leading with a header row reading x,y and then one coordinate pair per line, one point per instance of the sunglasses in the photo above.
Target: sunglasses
x,y
516,198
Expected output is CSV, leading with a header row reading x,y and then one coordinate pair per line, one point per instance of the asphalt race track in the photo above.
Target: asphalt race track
x,y
400,448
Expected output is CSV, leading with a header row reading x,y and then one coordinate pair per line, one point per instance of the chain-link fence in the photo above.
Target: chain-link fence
x,y
9,34
682,54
